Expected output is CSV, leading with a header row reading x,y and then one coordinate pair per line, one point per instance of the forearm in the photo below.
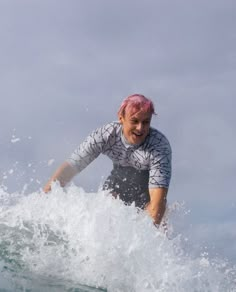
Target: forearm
x,y
63,175
157,205
156,211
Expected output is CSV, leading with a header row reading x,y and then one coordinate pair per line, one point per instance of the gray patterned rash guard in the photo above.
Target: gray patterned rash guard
x,y
136,168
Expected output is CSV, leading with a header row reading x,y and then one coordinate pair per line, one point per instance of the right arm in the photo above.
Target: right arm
x,y
81,157
63,174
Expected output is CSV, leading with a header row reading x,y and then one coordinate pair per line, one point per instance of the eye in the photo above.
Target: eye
x,y
134,121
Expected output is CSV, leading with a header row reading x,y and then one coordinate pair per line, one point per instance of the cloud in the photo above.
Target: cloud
x,y
65,69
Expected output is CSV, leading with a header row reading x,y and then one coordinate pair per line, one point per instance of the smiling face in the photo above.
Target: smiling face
x,y
136,126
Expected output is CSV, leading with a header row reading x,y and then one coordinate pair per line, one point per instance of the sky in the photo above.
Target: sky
x,y
65,67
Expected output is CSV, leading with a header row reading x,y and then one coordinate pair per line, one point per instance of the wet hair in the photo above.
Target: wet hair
x,y
135,103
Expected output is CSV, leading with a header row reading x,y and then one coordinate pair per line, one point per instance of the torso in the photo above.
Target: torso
x,y
154,154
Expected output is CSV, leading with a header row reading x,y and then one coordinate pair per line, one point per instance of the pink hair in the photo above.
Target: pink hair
x,y
135,103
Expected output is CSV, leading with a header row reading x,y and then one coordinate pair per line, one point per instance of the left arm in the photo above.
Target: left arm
x,y
157,205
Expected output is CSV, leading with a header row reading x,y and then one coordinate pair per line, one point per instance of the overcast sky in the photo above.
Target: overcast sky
x,y
65,67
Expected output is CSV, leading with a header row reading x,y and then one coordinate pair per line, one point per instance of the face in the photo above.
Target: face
x,y
136,126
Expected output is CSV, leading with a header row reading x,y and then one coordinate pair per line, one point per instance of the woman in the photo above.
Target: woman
x,y
141,158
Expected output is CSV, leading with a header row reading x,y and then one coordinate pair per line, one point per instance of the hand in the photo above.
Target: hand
x,y
47,188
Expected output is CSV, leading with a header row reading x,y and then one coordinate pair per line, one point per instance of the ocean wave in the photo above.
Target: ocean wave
x,y
70,238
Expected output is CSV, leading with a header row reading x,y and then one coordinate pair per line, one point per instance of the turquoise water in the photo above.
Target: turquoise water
x,y
76,241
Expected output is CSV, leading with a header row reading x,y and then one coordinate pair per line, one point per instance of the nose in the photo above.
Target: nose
x,y
139,127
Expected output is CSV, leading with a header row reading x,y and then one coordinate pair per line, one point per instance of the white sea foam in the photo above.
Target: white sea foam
x,y
93,239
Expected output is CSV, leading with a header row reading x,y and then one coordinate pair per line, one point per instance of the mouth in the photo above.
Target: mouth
x,y
137,134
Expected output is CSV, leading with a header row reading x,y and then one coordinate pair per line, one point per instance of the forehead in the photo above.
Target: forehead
x,y
140,114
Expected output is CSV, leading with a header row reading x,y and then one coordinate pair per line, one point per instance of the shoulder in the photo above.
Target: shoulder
x,y
107,130
156,139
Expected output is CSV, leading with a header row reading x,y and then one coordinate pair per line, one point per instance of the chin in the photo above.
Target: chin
x,y
138,141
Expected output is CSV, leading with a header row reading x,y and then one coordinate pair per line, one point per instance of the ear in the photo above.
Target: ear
x,y
121,118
